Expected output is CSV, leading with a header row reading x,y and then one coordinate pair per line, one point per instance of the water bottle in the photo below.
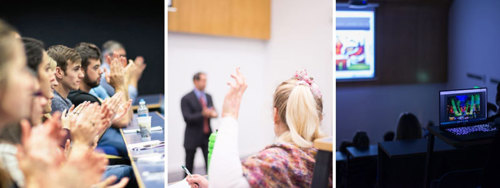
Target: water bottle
x,y
142,111
144,121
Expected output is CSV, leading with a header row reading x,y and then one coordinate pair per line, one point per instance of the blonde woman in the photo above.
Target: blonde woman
x,y
290,161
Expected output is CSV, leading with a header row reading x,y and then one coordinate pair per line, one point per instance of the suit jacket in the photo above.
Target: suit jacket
x,y
191,112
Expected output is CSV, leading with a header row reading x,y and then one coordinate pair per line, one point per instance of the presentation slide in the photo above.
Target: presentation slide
x,y
355,44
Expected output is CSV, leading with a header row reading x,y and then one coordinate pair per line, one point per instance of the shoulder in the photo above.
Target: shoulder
x,y
57,99
188,96
279,164
78,96
281,154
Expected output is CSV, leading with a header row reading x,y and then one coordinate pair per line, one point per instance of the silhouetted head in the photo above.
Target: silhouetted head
x,y
389,136
361,140
408,127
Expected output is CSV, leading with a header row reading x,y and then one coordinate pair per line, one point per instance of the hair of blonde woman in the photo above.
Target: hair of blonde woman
x,y
52,63
300,111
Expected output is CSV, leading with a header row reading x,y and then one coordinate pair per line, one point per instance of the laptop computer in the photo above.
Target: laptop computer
x,y
463,114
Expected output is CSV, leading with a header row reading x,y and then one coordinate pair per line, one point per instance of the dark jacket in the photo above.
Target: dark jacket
x,y
191,112
78,96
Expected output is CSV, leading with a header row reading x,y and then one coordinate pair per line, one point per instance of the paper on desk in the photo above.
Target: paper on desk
x,y
181,184
129,131
151,143
149,157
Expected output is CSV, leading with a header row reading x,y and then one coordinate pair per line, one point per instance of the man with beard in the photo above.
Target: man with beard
x,y
91,66
111,141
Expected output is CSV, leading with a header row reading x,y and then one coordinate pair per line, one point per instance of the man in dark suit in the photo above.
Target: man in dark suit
x,y
197,109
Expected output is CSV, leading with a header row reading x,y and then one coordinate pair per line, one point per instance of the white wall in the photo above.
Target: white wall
x,y
301,37
474,38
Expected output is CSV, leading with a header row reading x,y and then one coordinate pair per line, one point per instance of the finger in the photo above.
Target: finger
x,y
123,62
236,79
239,76
123,182
26,131
64,113
139,60
55,124
110,180
108,59
106,76
232,85
127,108
68,143
72,107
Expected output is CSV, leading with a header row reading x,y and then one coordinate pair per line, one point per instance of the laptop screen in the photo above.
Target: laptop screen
x,y
460,107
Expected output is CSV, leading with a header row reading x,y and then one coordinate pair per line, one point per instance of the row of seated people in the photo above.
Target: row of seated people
x,y
57,124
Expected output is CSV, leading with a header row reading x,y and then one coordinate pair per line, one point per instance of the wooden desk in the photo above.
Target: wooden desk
x,y
148,174
153,101
324,144
323,165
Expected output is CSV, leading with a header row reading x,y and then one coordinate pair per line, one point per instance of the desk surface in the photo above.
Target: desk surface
x,y
148,173
370,152
324,144
455,142
340,156
152,101
411,147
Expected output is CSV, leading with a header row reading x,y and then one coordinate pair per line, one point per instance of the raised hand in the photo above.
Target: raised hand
x,y
232,101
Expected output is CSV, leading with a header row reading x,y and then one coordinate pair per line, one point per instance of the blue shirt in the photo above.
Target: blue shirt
x,y
59,103
199,94
99,92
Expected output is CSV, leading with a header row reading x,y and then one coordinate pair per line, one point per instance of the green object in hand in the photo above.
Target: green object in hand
x,y
211,142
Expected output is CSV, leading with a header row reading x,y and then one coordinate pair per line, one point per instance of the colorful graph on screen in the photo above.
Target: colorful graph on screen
x,y
463,107
354,45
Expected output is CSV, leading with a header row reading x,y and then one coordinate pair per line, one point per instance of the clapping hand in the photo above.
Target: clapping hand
x,y
116,76
69,116
117,107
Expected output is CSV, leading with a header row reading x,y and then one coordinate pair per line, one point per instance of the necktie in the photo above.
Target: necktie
x,y
206,129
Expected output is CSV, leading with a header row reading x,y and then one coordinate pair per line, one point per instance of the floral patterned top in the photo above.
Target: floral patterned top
x,y
281,165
